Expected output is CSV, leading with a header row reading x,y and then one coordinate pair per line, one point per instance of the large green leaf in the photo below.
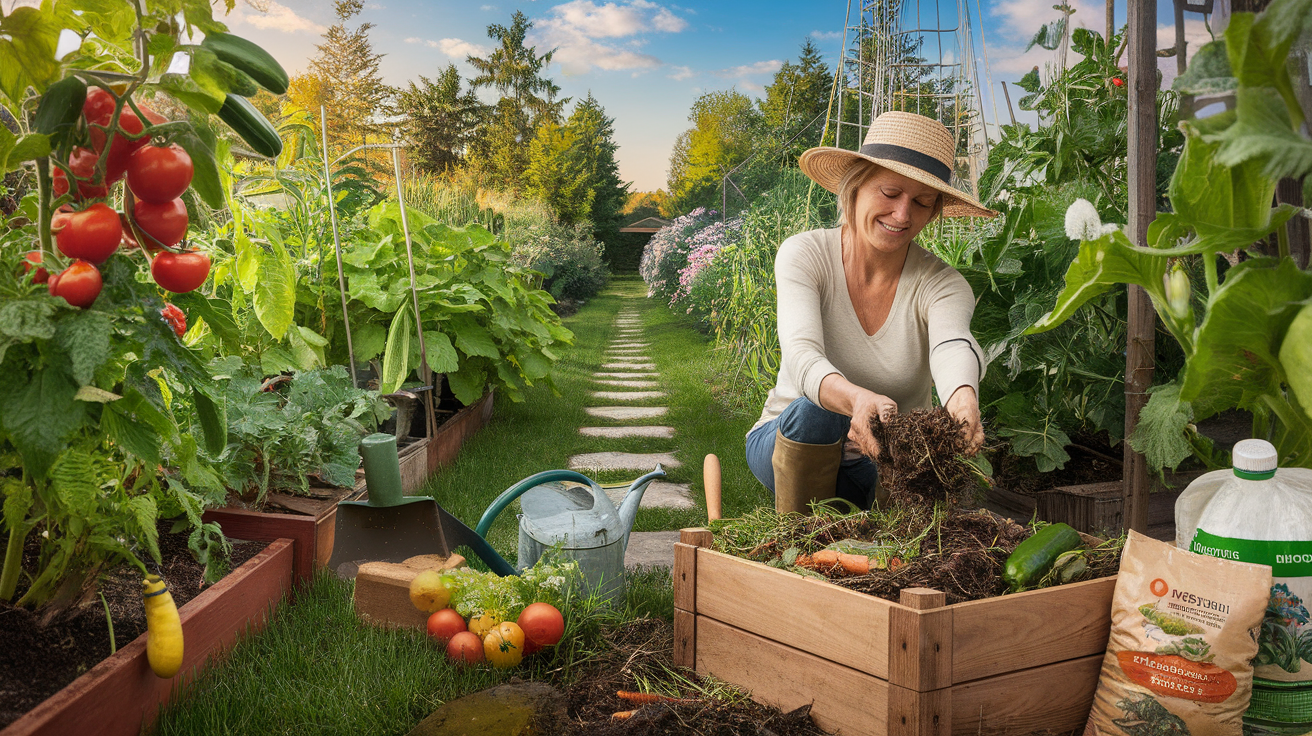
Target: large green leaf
x,y
1044,441
28,319
275,291
1160,434
1296,355
1208,72
369,340
85,338
442,356
1205,191
472,338
28,38
1235,354
1263,131
468,383
213,420
1100,265
396,359
136,437
39,413
14,150
1259,46
205,177
74,481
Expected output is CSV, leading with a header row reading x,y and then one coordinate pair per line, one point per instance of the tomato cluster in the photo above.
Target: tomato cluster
x,y
486,636
88,231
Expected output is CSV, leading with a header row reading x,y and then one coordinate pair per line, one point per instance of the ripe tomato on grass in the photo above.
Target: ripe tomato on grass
x,y
465,648
542,623
504,645
165,222
92,234
180,272
445,624
159,174
79,284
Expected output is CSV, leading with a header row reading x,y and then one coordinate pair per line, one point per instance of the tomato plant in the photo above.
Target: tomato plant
x,y
159,174
465,648
93,234
504,645
165,222
180,272
542,623
79,284
444,624
90,184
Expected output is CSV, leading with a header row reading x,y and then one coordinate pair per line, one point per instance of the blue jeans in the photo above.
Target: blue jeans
x,y
803,421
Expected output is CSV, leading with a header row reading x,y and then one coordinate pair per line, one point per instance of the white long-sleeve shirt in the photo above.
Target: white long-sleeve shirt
x,y
924,341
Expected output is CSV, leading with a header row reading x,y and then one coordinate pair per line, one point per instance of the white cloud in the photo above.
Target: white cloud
x,y
826,35
760,67
576,29
681,73
456,48
277,17
487,8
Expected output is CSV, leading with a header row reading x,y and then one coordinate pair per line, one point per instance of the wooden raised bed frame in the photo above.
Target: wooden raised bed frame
x,y
870,667
121,696
313,535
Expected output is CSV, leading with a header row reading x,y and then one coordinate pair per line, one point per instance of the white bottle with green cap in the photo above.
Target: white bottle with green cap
x,y
1264,516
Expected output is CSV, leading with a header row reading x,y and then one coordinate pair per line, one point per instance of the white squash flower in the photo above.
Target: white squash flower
x,y
1082,221
1110,228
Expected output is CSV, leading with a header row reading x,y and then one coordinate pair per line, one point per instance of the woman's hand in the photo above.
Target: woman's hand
x,y
964,407
865,406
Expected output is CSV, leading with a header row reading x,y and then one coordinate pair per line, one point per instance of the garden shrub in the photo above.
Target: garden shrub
x,y
667,253
568,257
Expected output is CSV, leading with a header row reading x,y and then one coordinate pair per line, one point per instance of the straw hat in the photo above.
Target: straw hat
x,y
913,145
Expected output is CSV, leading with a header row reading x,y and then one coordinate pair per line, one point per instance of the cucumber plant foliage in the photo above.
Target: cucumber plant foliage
x,y
1245,344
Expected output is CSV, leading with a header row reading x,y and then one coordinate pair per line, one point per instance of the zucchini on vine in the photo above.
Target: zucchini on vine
x,y
251,125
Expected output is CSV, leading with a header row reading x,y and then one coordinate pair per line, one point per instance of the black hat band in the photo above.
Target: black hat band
x,y
908,156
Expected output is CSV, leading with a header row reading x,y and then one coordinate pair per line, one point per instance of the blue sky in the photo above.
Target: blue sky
x,y
647,60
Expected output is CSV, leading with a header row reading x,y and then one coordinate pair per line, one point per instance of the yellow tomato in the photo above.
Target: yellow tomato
x,y
430,591
484,622
504,645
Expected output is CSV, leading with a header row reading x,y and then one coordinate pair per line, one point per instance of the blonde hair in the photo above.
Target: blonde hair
x,y
856,175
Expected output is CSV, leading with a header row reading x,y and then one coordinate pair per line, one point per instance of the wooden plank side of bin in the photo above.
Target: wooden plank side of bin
x,y
842,699
121,695
685,594
1018,632
1055,697
751,597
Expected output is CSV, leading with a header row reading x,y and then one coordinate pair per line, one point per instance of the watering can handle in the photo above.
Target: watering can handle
x,y
519,489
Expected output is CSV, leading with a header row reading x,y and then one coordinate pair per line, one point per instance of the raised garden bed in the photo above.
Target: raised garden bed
x,y
311,522
871,667
121,696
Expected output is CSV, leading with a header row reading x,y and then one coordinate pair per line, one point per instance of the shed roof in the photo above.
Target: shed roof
x,y
645,225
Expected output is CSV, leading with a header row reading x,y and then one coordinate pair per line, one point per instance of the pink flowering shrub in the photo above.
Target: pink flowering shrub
x,y
667,252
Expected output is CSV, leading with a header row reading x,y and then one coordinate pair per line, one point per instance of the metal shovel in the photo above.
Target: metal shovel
x,y
393,527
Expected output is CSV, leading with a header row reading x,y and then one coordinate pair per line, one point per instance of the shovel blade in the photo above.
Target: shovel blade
x,y
385,534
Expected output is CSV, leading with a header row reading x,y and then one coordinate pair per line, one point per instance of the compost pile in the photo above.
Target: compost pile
x,y
961,553
638,656
921,457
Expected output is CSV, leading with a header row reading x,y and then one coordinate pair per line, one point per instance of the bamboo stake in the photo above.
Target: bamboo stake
x,y
337,244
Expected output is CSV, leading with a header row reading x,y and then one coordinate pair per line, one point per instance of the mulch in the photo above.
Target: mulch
x,y
38,659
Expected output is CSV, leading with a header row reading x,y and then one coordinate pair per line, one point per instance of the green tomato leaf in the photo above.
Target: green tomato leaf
x,y
277,359
205,177
145,514
58,111
275,291
74,482
1234,361
39,412
1160,434
1100,265
1044,441
28,38
1296,356
85,338
28,319
137,438
396,360
18,500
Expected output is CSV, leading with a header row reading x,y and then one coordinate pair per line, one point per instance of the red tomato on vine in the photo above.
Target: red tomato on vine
x,y
159,174
1118,81
79,284
82,162
180,272
30,261
166,222
92,234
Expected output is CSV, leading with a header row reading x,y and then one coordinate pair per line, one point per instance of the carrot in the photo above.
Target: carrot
x,y
647,698
623,715
826,559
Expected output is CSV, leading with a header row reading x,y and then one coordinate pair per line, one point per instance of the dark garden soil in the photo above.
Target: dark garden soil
x,y
640,653
920,456
36,660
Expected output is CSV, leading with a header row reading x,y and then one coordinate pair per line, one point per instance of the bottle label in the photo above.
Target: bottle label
x,y
1285,643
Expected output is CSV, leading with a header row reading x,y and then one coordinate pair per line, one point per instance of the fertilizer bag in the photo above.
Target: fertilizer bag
x,y
1184,633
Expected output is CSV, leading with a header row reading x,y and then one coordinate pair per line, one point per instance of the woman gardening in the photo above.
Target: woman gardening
x,y
868,320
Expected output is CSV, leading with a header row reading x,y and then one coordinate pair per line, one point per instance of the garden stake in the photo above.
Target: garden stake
x,y
424,375
337,244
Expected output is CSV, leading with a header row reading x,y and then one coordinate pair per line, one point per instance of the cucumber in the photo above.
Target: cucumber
x,y
249,58
1036,555
253,127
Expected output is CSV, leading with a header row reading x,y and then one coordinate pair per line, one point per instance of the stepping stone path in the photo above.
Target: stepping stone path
x,y
625,367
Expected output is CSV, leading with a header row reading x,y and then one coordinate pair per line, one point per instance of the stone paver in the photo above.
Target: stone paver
x,y
620,344
659,494
625,413
628,395
620,432
627,358
650,549
614,374
629,366
644,461
627,383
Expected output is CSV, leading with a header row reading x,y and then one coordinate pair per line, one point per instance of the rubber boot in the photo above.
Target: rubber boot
x,y
803,473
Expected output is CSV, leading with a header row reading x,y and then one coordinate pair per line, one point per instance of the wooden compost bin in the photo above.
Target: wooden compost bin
x,y
121,695
870,667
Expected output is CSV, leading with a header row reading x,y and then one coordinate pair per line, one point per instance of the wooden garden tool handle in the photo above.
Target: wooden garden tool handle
x,y
711,479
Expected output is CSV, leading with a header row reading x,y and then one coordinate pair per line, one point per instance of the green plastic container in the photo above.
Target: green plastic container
x,y
1279,709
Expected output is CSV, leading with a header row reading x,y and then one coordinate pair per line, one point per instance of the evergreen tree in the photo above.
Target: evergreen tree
x,y
351,87
441,120
595,148
499,153
557,173
796,101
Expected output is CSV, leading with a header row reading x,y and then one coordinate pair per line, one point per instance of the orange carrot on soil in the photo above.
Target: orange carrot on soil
x,y
623,715
647,698
827,559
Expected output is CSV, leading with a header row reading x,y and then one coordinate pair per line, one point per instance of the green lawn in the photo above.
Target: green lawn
x,y
316,669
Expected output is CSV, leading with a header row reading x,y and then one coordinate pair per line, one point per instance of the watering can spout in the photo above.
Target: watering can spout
x,y
628,510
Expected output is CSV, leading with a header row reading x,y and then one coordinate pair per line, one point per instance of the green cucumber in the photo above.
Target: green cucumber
x,y
1036,555
247,57
253,127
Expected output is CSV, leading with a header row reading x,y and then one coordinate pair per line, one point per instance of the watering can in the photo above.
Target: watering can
x,y
562,508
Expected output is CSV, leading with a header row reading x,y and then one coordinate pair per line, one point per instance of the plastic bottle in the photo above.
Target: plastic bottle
x,y
1264,516
1189,506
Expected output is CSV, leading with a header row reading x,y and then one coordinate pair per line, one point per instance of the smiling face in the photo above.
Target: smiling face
x,y
890,210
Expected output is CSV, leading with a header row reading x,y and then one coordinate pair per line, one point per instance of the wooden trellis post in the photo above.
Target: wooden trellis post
x,y
1141,320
